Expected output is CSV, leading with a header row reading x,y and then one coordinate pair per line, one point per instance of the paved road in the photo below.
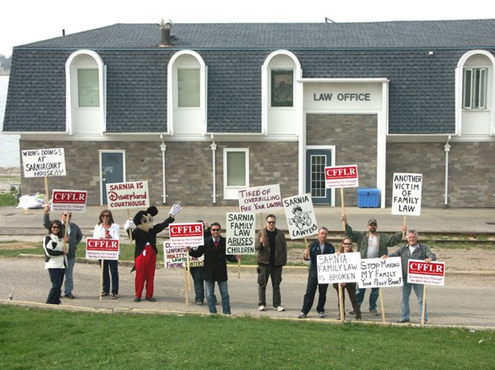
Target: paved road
x,y
463,301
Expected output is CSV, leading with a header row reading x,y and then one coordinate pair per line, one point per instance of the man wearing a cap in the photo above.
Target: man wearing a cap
x,y
371,245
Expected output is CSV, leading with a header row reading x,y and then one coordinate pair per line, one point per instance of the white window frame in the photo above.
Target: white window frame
x,y
232,192
477,86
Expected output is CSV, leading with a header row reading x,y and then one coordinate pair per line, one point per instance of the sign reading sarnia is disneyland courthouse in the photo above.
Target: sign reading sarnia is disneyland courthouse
x,y
128,195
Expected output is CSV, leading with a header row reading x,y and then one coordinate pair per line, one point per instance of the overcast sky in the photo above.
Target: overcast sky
x,y
23,22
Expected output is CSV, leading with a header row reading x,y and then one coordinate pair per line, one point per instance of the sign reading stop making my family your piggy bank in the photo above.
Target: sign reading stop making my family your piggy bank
x,y
341,177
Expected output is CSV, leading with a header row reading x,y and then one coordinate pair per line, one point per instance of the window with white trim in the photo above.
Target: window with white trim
x,y
236,171
474,94
188,88
88,87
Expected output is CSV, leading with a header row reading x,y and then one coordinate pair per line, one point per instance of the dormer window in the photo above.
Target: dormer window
x,y
475,88
88,89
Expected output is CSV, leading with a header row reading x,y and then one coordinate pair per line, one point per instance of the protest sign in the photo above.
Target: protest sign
x,y
338,268
406,194
341,177
421,272
241,232
128,195
43,162
260,199
381,272
175,257
102,249
186,234
69,200
300,215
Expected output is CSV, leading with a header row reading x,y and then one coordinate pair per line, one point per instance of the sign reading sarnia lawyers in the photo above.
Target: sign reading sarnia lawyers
x,y
43,162
128,195
341,177
300,215
406,194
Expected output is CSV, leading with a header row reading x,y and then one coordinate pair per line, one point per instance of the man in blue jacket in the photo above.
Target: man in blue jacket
x,y
320,246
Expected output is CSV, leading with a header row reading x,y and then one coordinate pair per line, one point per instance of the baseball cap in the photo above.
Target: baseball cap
x,y
372,221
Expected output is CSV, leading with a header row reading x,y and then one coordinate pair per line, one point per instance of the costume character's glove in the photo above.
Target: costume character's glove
x,y
176,208
129,224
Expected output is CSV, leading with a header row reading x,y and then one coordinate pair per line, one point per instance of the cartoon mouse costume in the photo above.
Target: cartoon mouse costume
x,y
145,253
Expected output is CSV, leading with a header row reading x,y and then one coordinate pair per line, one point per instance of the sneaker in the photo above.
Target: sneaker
x,y
321,315
199,303
104,294
137,299
403,321
261,308
115,296
302,315
151,299
374,313
70,296
351,312
279,308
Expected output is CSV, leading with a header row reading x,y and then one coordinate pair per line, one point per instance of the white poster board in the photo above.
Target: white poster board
x,y
241,233
186,234
406,194
102,249
341,177
338,268
300,215
43,162
260,199
175,257
69,200
128,195
381,272
421,272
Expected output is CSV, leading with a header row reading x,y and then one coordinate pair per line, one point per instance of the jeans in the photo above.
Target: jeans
x,y
309,297
212,299
69,282
57,278
406,292
113,265
264,272
197,274
373,297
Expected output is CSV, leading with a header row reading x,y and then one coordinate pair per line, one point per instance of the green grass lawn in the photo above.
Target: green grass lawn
x,y
39,339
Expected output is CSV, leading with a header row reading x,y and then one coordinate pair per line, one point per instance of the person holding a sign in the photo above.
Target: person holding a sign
x,y
415,251
215,268
197,272
106,228
320,246
346,247
75,236
371,244
272,257
55,260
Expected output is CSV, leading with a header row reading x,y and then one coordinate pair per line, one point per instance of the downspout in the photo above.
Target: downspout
x,y
446,194
163,148
213,147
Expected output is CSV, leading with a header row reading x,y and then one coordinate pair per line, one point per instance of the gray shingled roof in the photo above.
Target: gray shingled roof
x,y
422,91
415,34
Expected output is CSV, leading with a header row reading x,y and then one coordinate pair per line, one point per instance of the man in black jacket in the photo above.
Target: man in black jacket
x,y
215,268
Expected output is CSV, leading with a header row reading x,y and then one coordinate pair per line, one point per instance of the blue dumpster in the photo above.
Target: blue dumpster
x,y
368,197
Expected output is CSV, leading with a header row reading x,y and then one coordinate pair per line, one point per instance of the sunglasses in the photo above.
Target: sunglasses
x,y
55,227
271,222
346,243
215,229
64,214
105,215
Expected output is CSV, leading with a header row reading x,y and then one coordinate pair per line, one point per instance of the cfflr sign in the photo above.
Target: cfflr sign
x,y
421,272
341,176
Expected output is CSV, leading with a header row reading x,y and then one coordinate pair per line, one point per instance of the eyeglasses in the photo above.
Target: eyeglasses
x,y
105,215
271,222
215,229
55,227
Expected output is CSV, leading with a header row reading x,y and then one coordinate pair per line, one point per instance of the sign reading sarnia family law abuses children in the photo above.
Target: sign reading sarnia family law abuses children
x,y
175,257
241,232
260,199
43,162
300,215
338,268
69,200
421,272
406,194
184,235
341,177
128,195
102,249
381,272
